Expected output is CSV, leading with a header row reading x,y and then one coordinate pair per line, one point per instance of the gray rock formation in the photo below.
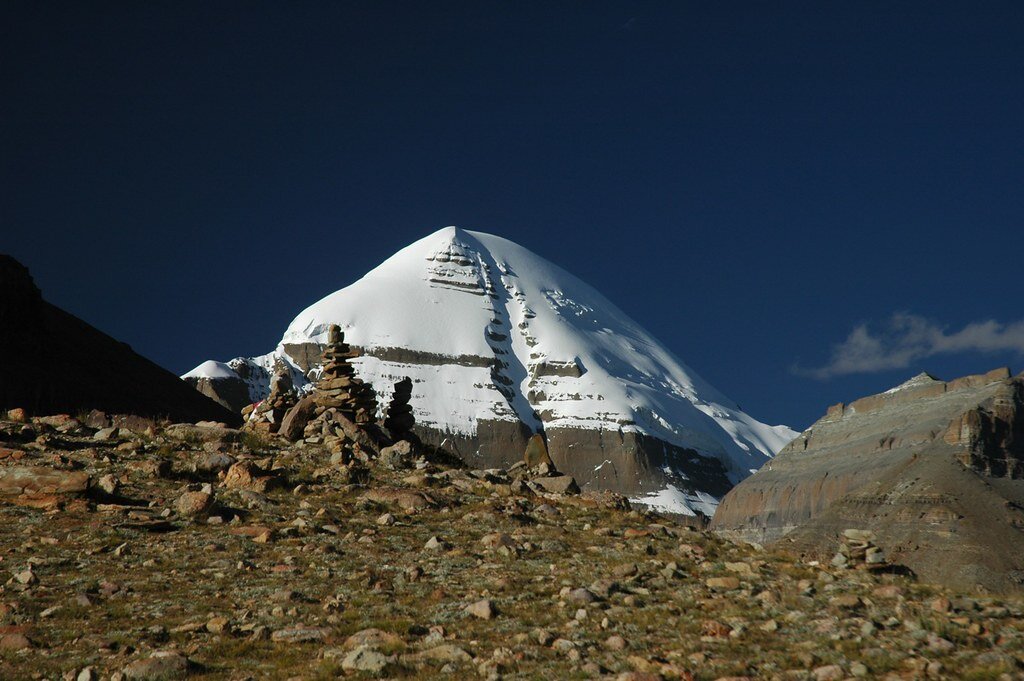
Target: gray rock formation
x,y
934,469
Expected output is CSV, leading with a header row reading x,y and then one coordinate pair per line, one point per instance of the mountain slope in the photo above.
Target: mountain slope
x,y
501,343
935,469
55,362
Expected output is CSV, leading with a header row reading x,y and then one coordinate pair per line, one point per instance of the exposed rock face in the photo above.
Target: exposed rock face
x,y
934,469
54,362
229,392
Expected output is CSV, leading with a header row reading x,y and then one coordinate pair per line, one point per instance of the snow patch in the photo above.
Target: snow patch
x,y
671,499
211,369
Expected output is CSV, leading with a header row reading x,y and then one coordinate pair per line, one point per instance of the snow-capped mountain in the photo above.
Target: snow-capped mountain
x,y
501,343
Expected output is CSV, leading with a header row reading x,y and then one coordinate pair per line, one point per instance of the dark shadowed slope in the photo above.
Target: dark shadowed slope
x,y
53,362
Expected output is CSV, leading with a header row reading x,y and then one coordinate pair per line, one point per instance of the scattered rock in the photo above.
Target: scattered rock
x,y
194,504
160,666
484,609
560,484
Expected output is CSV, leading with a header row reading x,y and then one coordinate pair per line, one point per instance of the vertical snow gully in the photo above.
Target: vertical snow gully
x,y
508,372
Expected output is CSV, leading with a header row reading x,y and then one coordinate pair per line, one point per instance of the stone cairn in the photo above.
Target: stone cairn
x,y
857,549
338,386
399,420
267,415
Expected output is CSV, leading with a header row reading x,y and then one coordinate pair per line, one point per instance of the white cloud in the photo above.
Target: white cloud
x,y
908,338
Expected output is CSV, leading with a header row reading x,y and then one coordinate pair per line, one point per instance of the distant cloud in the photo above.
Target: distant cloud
x,y
908,338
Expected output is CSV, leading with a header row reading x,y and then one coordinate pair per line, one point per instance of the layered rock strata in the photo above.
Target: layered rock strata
x,y
934,469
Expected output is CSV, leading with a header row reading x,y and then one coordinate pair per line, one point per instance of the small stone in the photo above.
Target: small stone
x,y
386,520
830,672
108,484
14,641
584,596
723,583
937,644
364,659
484,609
194,504
299,634
861,536
214,462
26,577
743,569
373,638
218,625
160,666
846,601
105,434
615,643
496,540
560,484
543,637
434,544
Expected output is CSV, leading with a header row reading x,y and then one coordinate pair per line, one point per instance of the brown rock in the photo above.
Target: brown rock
x,y
722,583
294,423
160,666
41,487
537,452
247,475
15,641
194,504
407,500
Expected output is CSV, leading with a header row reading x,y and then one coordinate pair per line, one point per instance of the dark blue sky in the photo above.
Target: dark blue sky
x,y
751,182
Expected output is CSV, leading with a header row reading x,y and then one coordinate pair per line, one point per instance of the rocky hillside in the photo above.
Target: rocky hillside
x,y
205,552
935,469
54,362
501,344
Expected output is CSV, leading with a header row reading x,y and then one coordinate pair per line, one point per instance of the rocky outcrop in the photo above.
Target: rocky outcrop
x,y
229,392
934,469
53,362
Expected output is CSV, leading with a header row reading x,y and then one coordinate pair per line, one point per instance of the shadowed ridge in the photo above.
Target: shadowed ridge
x,y
53,362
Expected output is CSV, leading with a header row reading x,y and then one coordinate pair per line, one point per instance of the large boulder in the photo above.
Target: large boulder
x,y
934,469
40,486
295,420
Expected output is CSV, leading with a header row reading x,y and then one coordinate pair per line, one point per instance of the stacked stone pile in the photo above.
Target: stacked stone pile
x,y
268,414
857,549
399,420
339,388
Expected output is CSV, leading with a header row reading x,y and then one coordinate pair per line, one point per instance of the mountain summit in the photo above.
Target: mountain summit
x,y
500,344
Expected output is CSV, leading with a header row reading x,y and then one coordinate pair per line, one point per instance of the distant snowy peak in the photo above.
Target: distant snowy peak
x,y
490,332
